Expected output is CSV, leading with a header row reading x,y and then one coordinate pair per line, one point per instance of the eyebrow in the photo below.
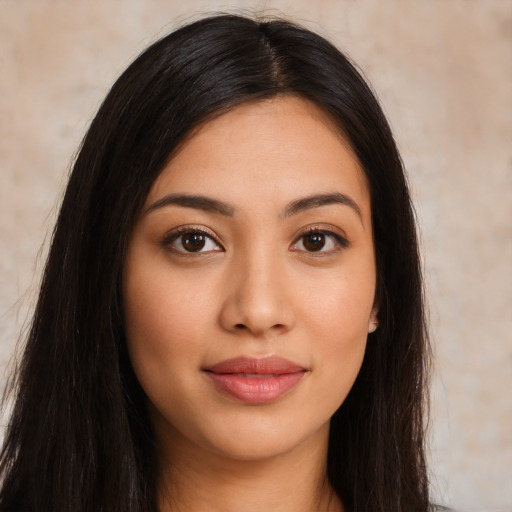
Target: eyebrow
x,y
213,205
193,201
317,200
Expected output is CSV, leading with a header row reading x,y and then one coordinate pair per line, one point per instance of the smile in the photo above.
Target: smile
x,y
255,381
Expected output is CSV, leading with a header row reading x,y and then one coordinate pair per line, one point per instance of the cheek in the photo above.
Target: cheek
x,y
338,324
162,327
340,307
155,311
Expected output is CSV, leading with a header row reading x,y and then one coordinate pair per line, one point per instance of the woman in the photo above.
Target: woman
x,y
231,315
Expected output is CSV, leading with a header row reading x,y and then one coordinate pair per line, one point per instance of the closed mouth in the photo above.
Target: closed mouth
x,y
255,381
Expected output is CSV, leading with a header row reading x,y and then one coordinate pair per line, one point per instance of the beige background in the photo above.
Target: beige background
x,y
443,71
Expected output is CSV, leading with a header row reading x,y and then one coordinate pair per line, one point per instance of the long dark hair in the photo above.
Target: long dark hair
x,y
79,438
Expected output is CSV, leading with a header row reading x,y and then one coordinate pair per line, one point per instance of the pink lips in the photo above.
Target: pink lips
x,y
255,380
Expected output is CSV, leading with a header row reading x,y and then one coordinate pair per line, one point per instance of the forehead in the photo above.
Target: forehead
x,y
261,152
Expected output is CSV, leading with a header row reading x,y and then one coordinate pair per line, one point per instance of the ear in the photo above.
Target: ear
x,y
373,322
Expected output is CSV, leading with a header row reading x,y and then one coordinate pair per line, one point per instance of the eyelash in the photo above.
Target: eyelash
x,y
341,241
172,237
166,243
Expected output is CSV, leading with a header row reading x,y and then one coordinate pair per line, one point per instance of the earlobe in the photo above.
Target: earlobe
x,y
374,322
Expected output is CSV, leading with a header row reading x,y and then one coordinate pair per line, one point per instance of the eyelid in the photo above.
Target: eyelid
x,y
176,232
325,229
328,230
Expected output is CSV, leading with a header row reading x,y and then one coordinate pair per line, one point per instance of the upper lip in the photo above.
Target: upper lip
x,y
252,365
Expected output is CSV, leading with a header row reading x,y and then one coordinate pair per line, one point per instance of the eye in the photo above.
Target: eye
x,y
319,241
187,240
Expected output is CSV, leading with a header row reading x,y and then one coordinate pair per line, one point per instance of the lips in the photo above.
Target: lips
x,y
255,380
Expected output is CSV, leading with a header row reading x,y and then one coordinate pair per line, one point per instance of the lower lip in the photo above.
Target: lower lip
x,y
255,389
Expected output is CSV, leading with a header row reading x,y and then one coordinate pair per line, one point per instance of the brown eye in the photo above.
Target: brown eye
x,y
314,242
193,242
320,241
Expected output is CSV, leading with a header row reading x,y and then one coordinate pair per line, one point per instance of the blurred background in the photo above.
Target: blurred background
x,y
442,70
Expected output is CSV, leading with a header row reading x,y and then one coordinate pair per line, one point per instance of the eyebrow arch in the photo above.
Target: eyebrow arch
x,y
193,201
317,200
213,205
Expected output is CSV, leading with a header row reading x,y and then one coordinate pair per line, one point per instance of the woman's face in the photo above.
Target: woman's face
x,y
249,283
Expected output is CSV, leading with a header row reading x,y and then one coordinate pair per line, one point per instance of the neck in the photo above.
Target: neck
x,y
199,480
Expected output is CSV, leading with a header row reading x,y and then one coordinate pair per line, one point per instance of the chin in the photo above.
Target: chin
x,y
263,439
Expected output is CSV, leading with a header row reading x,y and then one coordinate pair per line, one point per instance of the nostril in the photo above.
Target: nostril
x,y
240,326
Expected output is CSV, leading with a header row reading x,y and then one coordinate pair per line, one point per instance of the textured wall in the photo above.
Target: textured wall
x,y
443,71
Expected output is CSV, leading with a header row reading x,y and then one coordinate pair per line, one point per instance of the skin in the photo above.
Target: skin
x,y
255,289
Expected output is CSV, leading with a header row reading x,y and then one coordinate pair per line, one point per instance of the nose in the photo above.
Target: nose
x,y
256,299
